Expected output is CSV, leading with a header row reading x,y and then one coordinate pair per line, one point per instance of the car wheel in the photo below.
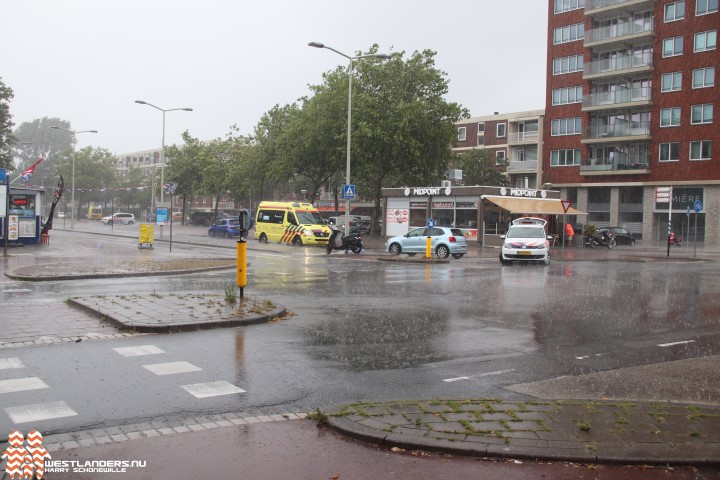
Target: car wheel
x,y
611,243
297,241
546,261
210,233
130,222
458,255
632,242
504,262
226,235
442,251
395,249
263,238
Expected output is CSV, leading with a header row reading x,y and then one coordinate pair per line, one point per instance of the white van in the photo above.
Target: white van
x,y
526,241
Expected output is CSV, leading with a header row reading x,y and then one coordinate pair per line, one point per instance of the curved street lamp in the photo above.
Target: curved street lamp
x,y
162,152
74,133
349,119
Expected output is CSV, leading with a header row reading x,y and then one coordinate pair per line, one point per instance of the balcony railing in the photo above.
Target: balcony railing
x,y
522,166
596,4
628,129
625,95
617,64
618,163
518,137
618,31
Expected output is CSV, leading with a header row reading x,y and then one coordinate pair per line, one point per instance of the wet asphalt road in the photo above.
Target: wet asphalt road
x,y
366,330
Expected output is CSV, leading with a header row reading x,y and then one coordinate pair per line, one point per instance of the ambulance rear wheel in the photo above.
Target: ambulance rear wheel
x,y
263,238
297,241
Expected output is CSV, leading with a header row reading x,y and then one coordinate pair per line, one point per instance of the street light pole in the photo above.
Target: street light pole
x,y
162,152
349,117
72,182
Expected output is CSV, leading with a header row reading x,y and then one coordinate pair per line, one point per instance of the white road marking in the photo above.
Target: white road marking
x,y
13,362
212,389
17,290
499,372
585,357
21,384
675,343
171,368
39,411
139,350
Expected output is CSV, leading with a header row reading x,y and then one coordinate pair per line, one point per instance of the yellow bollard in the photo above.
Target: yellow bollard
x,y
428,247
241,265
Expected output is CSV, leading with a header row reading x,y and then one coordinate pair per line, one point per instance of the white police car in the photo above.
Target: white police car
x,y
526,241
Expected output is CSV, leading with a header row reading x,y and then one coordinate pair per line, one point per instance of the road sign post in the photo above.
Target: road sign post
x,y
698,208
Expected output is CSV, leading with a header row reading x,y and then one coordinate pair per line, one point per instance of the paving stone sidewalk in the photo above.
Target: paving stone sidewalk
x,y
578,431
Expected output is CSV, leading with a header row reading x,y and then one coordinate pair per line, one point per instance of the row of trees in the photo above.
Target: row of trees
x,y
402,133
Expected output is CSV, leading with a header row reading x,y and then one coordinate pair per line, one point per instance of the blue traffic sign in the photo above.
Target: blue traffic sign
x,y
698,206
349,191
431,223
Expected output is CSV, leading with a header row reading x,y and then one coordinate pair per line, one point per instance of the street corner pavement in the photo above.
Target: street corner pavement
x,y
559,430
175,312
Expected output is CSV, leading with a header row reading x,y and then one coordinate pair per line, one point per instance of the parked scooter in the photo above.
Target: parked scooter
x,y
675,239
601,238
349,243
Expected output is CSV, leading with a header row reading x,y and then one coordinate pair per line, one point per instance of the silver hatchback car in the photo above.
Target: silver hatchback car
x,y
445,241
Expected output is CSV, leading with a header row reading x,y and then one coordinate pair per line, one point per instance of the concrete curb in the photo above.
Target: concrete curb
x,y
90,276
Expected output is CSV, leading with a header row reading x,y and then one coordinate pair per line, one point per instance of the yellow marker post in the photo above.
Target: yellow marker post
x,y
241,265
428,247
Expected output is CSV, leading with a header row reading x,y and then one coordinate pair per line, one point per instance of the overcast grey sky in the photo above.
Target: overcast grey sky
x,y
86,61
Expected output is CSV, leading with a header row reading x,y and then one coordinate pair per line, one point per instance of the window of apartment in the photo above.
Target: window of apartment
x,y
670,117
701,150
563,158
670,152
462,134
562,65
569,33
566,126
481,133
704,77
701,114
672,46
671,82
674,11
567,5
501,129
703,7
562,96
500,157
705,41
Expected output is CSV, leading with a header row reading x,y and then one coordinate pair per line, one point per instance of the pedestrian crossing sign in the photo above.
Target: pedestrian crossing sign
x,y
349,191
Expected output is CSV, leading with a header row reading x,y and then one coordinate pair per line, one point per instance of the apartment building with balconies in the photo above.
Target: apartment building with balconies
x,y
630,107
512,138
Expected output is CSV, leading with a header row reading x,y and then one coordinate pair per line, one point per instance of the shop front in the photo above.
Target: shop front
x,y
482,213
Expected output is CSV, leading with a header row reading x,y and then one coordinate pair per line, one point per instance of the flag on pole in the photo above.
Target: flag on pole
x,y
27,173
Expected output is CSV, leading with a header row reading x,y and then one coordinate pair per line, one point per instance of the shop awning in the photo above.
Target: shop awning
x,y
539,206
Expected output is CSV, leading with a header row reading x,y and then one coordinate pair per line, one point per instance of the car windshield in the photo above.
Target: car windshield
x,y
525,232
310,218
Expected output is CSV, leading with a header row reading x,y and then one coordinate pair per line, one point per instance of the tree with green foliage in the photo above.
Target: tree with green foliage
x,y
36,139
7,140
184,167
479,167
94,170
403,128
271,156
